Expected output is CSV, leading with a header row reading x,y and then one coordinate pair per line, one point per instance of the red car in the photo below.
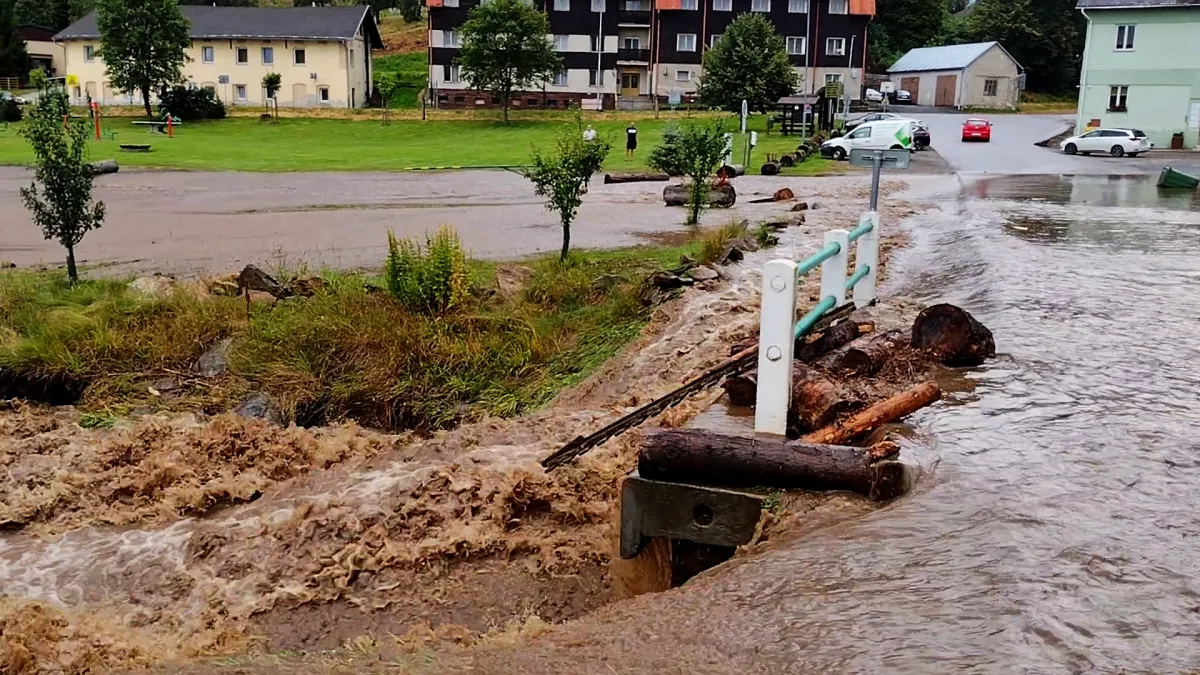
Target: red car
x,y
977,129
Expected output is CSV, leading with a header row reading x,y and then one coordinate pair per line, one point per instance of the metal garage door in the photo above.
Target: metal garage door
x,y
947,86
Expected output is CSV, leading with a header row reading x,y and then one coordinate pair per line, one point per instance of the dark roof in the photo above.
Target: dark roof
x,y
264,23
1135,4
32,33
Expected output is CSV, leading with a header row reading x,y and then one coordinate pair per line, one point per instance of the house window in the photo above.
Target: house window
x,y
714,40
89,53
449,3
207,55
760,5
351,58
299,57
597,5
990,87
835,47
685,42
798,6
323,95
795,45
689,4
1125,37
268,56
239,92
683,76
560,43
833,78
451,38
562,5
839,6
722,5
243,56
1117,97
450,73
632,43
560,78
595,77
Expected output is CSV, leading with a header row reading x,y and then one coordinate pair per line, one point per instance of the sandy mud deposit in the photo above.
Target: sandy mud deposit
x,y
168,540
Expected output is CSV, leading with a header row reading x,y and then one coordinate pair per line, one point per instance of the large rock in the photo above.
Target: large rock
x,y
157,286
215,361
703,273
259,406
512,279
305,287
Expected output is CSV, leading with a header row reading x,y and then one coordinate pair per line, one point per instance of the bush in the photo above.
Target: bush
x,y
667,157
432,280
188,103
10,111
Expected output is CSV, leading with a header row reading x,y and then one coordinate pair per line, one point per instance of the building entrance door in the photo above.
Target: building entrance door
x,y
631,83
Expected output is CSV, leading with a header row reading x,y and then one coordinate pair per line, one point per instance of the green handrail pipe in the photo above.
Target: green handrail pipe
x,y
819,257
859,274
860,231
814,315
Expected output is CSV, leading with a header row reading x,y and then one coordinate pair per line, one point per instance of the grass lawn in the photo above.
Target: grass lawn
x,y
305,144
413,69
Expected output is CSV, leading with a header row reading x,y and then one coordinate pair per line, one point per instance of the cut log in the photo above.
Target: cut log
x,y
770,169
635,177
787,161
728,171
104,166
742,390
699,456
816,401
895,408
809,348
718,195
866,355
953,336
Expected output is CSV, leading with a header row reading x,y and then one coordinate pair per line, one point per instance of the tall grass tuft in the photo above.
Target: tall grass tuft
x,y
433,280
713,242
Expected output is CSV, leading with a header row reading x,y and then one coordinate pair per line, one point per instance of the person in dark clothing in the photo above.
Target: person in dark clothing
x,y
630,140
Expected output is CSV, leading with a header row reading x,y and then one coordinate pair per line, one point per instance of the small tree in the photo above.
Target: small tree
x,y
388,83
38,79
142,43
749,63
63,206
271,83
563,176
505,49
665,157
701,149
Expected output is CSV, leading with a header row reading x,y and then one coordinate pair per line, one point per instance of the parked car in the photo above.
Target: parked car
x,y
876,117
6,95
1116,142
977,129
921,137
901,96
880,135
873,96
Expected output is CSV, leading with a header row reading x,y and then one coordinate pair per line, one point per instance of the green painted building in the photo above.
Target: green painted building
x,y
1141,68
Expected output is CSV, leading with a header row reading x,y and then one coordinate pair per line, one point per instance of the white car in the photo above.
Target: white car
x,y
851,125
873,96
1115,142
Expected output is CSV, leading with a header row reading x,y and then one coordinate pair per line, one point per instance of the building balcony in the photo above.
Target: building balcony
x,y
633,17
633,56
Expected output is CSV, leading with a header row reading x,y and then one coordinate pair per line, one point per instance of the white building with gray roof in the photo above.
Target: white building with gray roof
x,y
980,75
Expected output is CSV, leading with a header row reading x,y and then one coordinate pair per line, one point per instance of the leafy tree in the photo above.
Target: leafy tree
x,y
505,49
1046,37
36,12
77,9
271,83
14,60
63,205
666,157
701,149
562,177
410,10
142,43
901,25
388,83
221,3
749,63
38,79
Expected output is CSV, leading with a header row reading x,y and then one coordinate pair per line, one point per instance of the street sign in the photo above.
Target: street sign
x,y
833,90
72,80
890,159
745,113
222,79
674,98
887,87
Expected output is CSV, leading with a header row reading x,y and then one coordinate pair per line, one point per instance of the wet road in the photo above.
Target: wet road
x,y
1054,529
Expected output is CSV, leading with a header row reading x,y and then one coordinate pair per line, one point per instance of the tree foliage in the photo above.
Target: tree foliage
x,y
410,10
667,157
387,83
1046,37
62,206
35,12
14,59
191,103
505,49
901,25
749,63
142,43
431,280
701,149
562,177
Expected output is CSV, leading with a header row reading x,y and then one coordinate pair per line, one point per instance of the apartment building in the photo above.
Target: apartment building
x,y
627,53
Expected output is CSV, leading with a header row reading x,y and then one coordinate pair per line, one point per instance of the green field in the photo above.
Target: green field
x,y
413,69
302,144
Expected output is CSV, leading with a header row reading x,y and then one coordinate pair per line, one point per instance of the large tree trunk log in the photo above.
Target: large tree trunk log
x,y
866,355
809,348
698,456
635,177
816,401
953,335
677,194
742,390
897,407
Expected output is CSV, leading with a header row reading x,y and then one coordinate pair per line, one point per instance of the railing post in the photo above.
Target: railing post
x,y
833,270
776,343
868,254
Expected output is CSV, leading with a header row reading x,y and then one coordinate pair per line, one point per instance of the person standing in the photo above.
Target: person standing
x,y
630,140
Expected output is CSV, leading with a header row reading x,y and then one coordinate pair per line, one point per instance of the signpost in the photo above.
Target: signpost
x,y
745,113
877,160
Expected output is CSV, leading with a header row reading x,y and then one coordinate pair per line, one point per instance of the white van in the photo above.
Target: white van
x,y
882,135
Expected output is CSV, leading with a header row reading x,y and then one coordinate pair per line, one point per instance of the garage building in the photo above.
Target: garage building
x,y
980,75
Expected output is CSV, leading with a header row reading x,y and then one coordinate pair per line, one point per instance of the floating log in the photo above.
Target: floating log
x,y
953,336
868,354
698,456
809,348
635,177
728,171
816,400
104,166
718,195
770,169
895,408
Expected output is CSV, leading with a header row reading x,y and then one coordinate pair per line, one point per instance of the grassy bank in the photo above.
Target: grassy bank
x,y
307,144
349,351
